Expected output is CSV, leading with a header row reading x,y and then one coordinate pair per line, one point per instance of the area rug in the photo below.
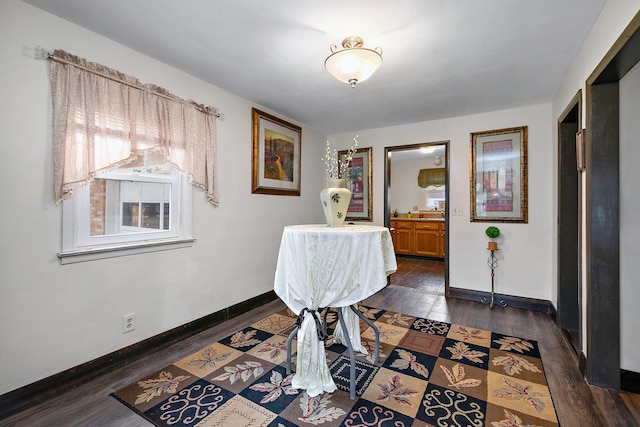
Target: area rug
x,y
430,373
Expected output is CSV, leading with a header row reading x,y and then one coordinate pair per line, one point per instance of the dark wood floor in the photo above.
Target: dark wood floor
x,y
422,274
577,404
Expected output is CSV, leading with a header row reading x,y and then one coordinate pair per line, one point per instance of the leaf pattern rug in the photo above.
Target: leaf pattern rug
x,y
430,373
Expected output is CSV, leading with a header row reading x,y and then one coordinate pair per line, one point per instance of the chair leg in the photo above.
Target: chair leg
x,y
291,335
376,332
352,357
324,317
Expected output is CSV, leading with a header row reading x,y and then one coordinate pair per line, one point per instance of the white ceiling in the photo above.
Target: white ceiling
x,y
441,58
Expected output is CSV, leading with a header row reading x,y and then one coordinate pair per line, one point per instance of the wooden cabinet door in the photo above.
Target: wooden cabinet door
x,y
403,241
428,239
394,238
442,232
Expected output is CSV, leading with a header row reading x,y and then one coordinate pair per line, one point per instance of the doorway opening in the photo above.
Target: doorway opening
x,y
569,227
416,195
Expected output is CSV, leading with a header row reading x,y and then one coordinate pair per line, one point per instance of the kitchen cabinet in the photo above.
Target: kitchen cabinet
x,y
418,237
429,239
403,237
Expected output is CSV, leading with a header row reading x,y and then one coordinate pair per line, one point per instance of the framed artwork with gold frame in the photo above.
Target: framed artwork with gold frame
x,y
499,175
357,178
276,155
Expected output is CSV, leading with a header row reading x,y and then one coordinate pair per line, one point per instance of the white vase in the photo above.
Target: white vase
x,y
335,202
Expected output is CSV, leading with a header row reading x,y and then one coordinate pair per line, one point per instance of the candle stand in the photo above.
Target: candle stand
x,y
492,262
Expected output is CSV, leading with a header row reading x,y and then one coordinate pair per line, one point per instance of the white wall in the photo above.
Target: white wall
x,y
526,249
54,317
405,192
629,230
613,19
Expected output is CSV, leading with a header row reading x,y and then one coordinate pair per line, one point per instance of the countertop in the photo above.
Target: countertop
x,y
416,219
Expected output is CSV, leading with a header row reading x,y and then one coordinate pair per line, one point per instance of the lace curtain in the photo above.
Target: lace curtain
x,y
103,118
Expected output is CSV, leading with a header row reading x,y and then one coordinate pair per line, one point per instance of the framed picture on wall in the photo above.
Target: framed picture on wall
x,y
276,155
499,175
357,177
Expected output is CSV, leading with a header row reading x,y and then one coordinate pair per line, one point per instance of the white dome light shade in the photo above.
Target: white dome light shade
x,y
353,64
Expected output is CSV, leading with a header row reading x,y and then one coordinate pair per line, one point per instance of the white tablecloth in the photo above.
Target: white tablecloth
x,y
320,266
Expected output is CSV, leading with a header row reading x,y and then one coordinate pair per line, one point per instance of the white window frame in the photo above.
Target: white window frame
x,y
78,245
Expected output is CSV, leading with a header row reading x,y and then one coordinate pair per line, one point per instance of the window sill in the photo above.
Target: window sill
x,y
82,255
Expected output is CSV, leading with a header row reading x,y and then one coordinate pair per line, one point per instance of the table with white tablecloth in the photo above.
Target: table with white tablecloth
x,y
319,267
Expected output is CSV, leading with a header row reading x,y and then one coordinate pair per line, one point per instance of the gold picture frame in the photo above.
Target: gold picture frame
x,y
276,155
498,178
358,180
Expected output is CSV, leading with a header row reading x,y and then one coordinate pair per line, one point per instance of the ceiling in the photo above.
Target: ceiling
x,y
441,58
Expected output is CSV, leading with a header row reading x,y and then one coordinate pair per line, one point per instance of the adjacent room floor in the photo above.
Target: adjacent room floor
x,y
425,275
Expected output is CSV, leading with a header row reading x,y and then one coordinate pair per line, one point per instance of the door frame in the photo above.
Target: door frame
x,y
388,153
569,232
602,216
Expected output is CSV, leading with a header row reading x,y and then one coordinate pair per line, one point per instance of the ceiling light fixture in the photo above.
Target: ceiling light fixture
x,y
354,63
427,150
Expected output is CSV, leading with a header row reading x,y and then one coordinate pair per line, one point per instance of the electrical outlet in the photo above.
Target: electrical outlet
x,y
415,208
456,211
128,322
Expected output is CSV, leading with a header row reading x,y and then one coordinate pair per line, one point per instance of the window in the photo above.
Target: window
x,y
118,145
143,206
104,120
433,198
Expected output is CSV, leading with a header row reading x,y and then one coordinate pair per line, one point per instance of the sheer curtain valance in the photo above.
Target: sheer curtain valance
x,y
103,118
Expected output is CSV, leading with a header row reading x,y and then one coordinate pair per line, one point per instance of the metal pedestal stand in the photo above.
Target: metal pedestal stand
x,y
492,262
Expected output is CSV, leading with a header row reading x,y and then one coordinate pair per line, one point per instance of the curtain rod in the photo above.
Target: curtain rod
x,y
41,53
